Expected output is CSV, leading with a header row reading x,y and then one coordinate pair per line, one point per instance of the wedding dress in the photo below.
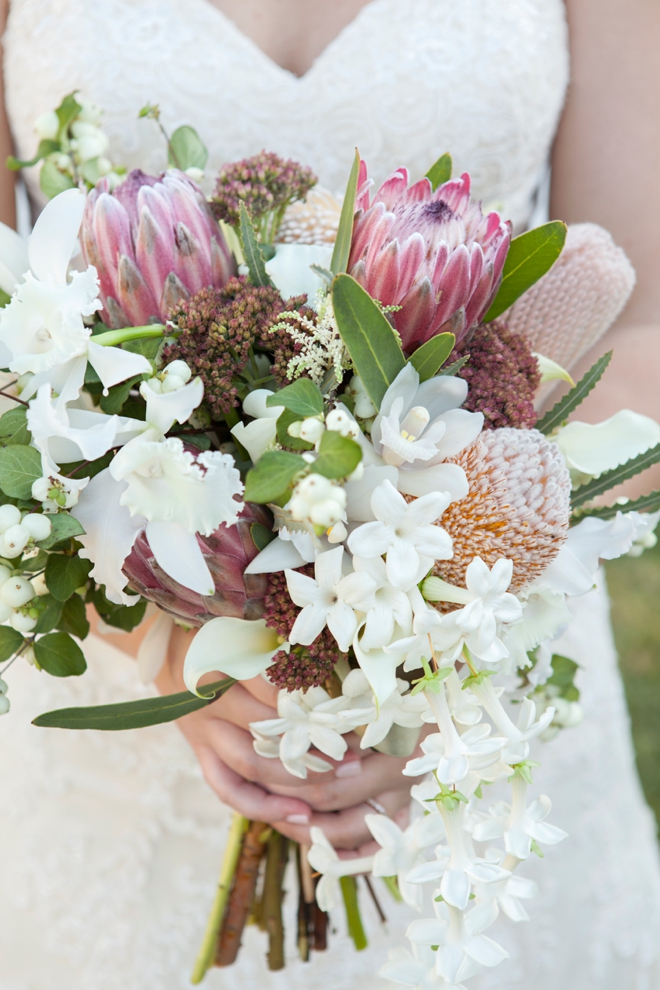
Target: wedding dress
x,y
111,843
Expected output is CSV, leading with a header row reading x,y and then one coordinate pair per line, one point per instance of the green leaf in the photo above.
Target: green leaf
x,y
74,617
59,655
50,617
33,564
254,259
598,486
112,402
562,409
302,397
272,475
10,642
65,574
46,147
13,427
199,440
342,248
125,617
62,527
52,181
441,171
455,366
563,671
67,111
338,456
19,469
261,535
430,357
87,469
4,298
645,503
369,338
147,346
134,714
91,171
186,149
530,256
284,421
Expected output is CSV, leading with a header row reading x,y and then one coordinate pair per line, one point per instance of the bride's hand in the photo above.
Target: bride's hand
x,y
262,789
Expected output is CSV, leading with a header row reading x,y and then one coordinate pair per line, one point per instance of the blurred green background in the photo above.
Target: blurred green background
x,y
634,586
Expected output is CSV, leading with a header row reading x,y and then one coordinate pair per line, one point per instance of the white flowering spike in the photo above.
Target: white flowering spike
x,y
527,728
453,756
462,949
508,894
323,858
329,599
401,850
520,824
431,635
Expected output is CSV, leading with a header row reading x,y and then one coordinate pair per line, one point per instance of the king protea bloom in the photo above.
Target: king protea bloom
x,y
434,254
153,242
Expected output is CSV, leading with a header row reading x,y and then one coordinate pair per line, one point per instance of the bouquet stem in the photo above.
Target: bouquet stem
x,y
355,929
241,897
271,904
232,852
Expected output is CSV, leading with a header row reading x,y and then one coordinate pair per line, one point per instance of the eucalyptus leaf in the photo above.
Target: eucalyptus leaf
x,y
186,149
59,655
272,476
10,642
19,468
46,147
254,259
562,409
134,714
429,358
369,338
342,248
440,171
338,456
609,479
65,574
52,181
13,427
302,397
530,256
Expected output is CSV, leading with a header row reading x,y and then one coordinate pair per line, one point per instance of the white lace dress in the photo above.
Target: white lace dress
x,y
110,843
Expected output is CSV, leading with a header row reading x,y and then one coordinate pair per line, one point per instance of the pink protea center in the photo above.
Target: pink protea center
x,y
433,253
227,553
518,505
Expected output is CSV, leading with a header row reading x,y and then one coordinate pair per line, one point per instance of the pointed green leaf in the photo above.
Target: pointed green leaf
x,y
10,642
74,618
117,395
429,358
261,535
50,616
609,479
338,456
64,574
67,111
19,469
254,259
455,366
302,397
186,149
645,503
530,256
134,714
271,476
562,409
441,171
59,655
342,248
369,338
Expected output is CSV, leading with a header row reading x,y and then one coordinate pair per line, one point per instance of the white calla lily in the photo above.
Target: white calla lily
x,y
550,371
593,448
290,269
260,434
236,647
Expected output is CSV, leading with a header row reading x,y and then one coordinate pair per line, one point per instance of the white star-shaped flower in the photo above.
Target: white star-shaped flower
x,y
401,850
323,858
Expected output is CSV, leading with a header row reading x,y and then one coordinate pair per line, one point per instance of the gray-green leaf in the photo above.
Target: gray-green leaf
x,y
254,259
186,149
430,357
65,574
52,181
562,409
19,468
59,655
134,714
62,527
530,256
13,427
338,456
271,476
370,340
302,397
342,248
440,171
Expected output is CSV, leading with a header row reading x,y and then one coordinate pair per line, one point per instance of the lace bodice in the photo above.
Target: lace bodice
x,y
405,81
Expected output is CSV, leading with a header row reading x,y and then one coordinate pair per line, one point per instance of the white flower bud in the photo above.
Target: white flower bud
x,y
340,422
358,474
311,429
5,574
14,540
38,526
9,516
63,162
22,623
308,456
154,384
90,112
172,383
180,369
338,533
315,488
196,174
103,165
16,592
4,704
47,125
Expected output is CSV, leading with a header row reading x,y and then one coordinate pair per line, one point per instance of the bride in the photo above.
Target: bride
x,y
111,842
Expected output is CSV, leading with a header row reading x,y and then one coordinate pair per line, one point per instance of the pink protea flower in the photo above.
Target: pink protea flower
x,y
227,552
153,241
434,254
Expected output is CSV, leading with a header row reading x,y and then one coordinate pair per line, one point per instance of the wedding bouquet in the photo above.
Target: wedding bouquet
x,y
307,428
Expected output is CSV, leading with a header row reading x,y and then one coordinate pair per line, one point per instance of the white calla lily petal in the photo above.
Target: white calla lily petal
x,y
290,269
592,448
236,647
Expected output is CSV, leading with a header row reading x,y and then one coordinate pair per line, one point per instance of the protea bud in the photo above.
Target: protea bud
x,y
227,552
153,241
434,254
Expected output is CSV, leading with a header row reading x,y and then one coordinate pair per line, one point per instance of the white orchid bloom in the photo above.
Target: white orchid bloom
x,y
239,648
329,599
645,535
14,260
419,426
590,449
306,718
290,269
261,433
323,858
42,327
544,615
404,533
520,824
174,406
398,708
401,850
462,949
574,569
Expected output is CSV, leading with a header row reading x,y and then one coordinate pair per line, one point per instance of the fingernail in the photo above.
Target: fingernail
x,y
297,819
350,769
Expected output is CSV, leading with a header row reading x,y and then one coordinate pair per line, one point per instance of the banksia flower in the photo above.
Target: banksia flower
x,y
153,242
266,184
434,254
227,552
502,374
313,221
518,506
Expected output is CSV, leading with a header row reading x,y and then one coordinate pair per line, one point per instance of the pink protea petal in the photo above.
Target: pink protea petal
x,y
412,257
133,294
481,297
394,187
455,284
364,184
364,231
420,192
384,274
440,263
455,193
382,232
415,315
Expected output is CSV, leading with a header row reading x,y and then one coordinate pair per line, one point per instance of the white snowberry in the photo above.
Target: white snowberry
x,y
38,526
9,516
22,623
16,592
14,540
